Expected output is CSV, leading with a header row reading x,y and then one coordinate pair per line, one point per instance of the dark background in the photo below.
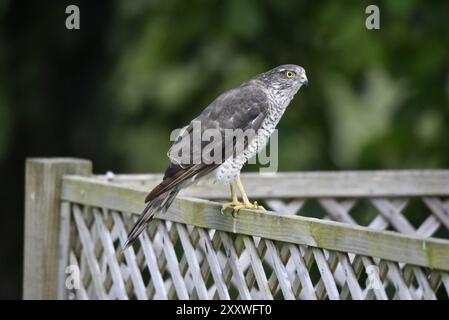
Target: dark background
x,y
113,90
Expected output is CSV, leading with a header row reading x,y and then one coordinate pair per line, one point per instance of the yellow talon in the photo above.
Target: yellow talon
x,y
256,206
231,205
236,205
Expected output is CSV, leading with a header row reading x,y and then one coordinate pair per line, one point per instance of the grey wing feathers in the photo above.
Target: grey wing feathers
x,y
240,108
243,108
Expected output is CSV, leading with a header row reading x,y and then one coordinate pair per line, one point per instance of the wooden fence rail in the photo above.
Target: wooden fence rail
x,y
345,235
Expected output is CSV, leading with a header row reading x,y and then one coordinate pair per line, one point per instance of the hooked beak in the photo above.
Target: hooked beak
x,y
304,80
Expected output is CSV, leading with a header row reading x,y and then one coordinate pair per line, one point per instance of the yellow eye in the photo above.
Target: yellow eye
x,y
290,74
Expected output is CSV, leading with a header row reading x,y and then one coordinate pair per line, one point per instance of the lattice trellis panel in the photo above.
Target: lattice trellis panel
x,y
425,216
177,261
422,216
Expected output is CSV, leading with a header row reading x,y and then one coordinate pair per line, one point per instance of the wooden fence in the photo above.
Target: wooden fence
x,y
330,235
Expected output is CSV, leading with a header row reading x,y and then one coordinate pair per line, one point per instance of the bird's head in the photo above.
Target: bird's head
x,y
285,79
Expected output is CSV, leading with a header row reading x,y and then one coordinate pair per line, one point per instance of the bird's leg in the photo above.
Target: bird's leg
x,y
235,200
246,203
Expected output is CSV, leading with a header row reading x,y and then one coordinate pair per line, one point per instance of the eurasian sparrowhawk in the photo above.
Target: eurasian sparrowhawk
x,y
257,105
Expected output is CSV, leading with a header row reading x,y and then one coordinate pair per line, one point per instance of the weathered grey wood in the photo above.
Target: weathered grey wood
x,y
337,211
156,277
130,257
269,258
402,291
428,227
81,293
290,208
378,292
64,248
88,251
250,265
206,269
172,263
233,261
156,260
332,263
193,238
393,215
439,210
177,268
388,245
110,256
280,271
378,223
192,261
316,184
257,268
326,274
42,217
303,273
351,278
214,263
222,258
183,265
427,292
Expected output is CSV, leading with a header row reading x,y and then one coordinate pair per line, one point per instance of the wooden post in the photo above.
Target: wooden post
x,y
42,217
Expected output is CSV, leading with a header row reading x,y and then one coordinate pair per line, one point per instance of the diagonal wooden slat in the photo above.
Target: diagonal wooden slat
x,y
421,278
247,265
153,266
262,251
88,251
280,271
326,274
257,267
183,262
214,263
337,211
379,223
340,276
80,293
402,291
394,216
378,291
351,278
130,258
291,207
110,255
438,209
193,262
428,227
232,258
332,263
222,258
303,273
172,263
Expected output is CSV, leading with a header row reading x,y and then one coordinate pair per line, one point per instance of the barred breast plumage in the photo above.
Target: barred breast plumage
x,y
231,168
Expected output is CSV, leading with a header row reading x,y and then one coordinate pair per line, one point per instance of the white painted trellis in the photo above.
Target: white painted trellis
x,y
390,240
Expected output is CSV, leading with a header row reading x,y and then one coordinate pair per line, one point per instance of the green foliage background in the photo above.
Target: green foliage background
x,y
113,91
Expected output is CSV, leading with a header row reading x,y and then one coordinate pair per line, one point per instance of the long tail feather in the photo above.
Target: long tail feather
x,y
160,204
